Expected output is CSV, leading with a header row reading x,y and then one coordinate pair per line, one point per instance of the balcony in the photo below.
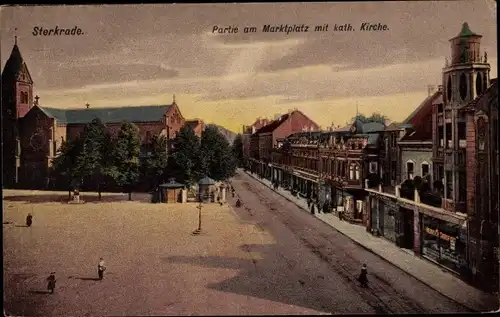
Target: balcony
x,y
462,144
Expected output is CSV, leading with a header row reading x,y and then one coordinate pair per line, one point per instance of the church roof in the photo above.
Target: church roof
x,y
108,115
466,32
14,64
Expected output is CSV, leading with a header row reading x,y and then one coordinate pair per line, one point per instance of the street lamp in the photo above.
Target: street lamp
x,y
198,231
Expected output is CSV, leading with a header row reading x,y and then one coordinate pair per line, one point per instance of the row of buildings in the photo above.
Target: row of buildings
x,y
428,184
32,132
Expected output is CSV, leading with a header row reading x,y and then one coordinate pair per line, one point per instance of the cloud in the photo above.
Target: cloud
x,y
97,74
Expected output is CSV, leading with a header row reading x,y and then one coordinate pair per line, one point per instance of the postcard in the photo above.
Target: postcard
x,y
250,158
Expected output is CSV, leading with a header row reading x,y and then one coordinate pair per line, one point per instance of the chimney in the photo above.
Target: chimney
x,y
431,89
87,105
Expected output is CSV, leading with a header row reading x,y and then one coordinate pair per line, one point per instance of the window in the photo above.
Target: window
x,y
479,84
441,136
449,185
449,136
440,108
354,172
24,97
373,167
410,166
461,129
462,187
463,86
425,169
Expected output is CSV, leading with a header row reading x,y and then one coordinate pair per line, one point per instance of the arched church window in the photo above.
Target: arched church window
x,y
448,89
463,86
479,83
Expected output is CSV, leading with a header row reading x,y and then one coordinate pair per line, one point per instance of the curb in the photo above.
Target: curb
x,y
468,306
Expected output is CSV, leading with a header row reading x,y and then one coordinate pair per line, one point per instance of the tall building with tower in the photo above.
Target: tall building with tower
x,y
17,100
465,77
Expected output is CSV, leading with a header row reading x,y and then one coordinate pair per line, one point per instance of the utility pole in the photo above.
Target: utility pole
x,y
198,231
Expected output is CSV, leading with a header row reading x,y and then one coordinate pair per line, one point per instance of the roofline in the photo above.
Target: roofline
x,y
415,142
430,98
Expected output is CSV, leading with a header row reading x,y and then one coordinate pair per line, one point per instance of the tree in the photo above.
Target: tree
x,y
95,163
237,150
127,150
64,164
218,160
375,117
186,159
156,161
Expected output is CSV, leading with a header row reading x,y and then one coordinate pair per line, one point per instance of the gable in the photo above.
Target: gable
x,y
174,112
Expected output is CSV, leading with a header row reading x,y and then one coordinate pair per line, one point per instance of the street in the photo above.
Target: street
x,y
319,266
267,257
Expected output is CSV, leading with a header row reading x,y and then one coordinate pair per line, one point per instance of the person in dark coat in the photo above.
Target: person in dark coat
x,y
308,202
51,282
101,268
312,209
29,220
363,276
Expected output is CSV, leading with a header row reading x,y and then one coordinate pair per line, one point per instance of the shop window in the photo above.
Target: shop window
x,y
452,244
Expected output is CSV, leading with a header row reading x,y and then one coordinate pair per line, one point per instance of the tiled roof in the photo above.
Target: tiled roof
x,y
427,103
108,115
273,125
363,127
394,126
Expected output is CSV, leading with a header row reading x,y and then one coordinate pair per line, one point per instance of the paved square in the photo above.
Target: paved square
x,y
154,265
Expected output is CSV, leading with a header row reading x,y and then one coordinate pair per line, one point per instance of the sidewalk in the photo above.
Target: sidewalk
x,y
426,272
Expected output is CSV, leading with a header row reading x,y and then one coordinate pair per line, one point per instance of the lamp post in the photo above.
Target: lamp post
x,y
198,231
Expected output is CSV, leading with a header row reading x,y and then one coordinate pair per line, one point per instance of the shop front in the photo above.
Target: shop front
x,y
384,215
445,243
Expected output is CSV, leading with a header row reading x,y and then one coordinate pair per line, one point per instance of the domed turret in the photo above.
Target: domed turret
x,y
465,47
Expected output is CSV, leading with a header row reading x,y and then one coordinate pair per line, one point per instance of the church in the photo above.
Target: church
x,y
32,132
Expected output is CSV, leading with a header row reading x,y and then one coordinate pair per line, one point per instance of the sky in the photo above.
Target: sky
x,y
131,55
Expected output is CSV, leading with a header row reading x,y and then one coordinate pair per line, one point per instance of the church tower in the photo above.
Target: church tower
x,y
465,76
17,100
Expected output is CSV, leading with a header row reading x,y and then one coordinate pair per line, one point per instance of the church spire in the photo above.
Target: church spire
x,y
173,99
15,36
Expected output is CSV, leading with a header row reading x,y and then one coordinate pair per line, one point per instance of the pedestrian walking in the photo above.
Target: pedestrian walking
x,y
363,276
101,268
312,209
51,282
29,220
308,202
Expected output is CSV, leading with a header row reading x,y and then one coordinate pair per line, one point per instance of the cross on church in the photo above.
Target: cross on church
x,y
36,100
15,36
